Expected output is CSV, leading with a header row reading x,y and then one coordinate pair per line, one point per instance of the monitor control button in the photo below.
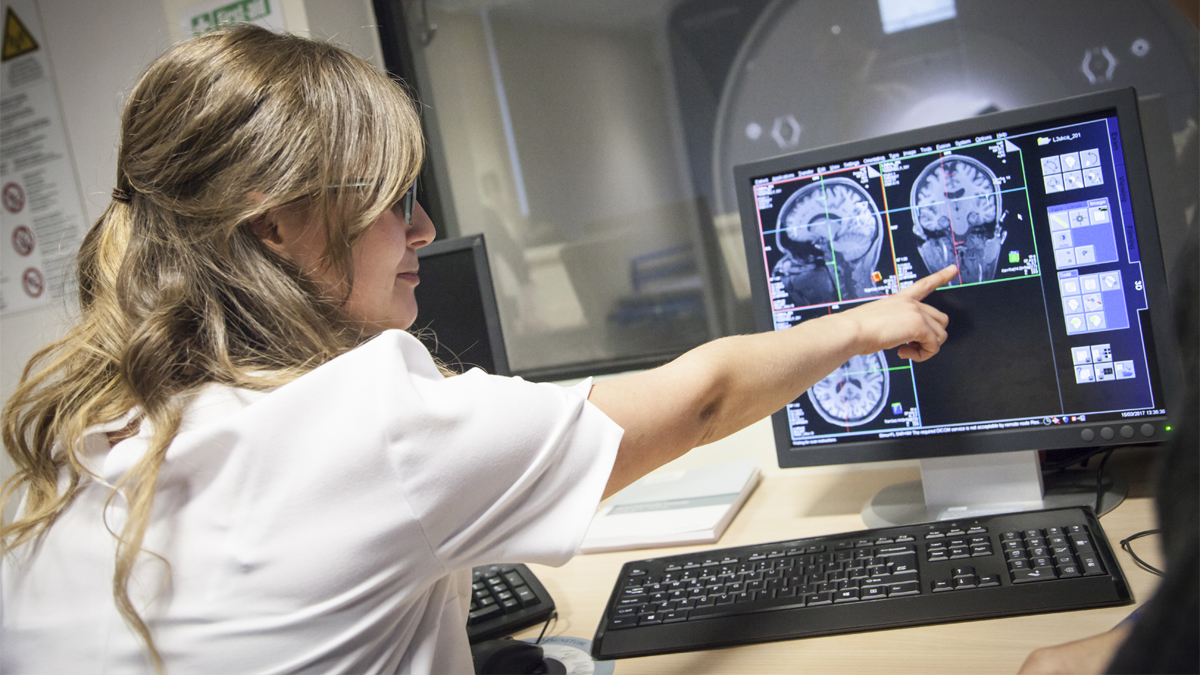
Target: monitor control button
x,y
1147,430
1088,435
1107,433
1127,431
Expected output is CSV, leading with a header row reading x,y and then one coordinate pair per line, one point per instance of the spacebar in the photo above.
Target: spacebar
x,y
740,608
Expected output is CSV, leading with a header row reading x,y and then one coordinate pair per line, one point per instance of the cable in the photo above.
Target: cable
x,y
1141,563
1100,477
553,616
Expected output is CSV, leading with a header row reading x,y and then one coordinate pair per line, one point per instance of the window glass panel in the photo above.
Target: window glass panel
x,y
592,141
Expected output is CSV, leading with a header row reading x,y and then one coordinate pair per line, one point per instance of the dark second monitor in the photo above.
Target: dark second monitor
x,y
1060,331
457,317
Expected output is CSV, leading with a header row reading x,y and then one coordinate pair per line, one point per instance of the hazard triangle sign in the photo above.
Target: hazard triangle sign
x,y
17,38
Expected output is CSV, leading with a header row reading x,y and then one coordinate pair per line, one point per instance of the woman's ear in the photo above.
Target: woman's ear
x,y
265,225
290,232
267,231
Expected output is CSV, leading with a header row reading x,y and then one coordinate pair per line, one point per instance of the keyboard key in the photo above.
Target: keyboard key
x,y
847,595
1090,564
1026,576
622,622
873,593
650,619
820,599
483,614
675,616
1068,571
525,596
898,590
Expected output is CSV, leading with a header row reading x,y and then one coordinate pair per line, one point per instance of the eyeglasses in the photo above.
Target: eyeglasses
x,y
407,201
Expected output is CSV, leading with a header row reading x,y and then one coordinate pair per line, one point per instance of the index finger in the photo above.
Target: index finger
x,y
926,285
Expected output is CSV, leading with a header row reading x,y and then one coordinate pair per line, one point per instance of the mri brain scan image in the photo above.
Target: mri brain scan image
x,y
956,213
830,233
855,393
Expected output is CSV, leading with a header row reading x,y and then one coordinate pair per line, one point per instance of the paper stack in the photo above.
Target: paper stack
x,y
692,506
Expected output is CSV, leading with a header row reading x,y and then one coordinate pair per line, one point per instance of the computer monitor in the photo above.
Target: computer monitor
x,y
1059,332
457,318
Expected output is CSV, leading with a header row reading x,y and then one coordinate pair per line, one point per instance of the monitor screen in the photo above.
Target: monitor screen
x,y
457,318
1058,332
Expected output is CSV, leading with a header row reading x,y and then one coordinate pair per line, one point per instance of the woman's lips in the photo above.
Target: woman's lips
x,y
410,277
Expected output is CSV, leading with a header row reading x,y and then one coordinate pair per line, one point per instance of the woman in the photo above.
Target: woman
x,y
239,462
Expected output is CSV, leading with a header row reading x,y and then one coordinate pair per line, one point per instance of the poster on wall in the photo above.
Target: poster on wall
x,y
202,18
41,214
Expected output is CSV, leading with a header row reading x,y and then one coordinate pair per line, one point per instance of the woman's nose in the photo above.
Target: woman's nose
x,y
421,231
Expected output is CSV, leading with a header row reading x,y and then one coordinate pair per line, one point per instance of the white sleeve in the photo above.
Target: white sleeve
x,y
497,469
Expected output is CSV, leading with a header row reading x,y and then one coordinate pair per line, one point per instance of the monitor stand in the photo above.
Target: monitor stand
x,y
976,485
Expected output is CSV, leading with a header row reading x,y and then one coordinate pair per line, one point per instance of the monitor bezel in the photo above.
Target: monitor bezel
x,y
477,245
1125,104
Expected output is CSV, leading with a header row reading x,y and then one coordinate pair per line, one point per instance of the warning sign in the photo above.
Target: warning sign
x,y
14,198
18,40
33,282
22,240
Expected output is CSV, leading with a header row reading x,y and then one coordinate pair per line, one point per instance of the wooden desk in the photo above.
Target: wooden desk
x,y
791,505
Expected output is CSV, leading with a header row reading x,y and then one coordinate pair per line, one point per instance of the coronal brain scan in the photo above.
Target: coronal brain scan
x,y
855,393
830,233
957,213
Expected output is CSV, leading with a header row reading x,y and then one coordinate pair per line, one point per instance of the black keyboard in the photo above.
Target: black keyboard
x,y
505,599
973,568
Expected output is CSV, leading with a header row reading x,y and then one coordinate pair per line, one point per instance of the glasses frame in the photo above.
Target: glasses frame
x,y
408,200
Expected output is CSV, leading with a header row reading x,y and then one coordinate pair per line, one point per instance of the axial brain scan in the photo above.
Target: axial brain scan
x,y
853,394
956,202
830,233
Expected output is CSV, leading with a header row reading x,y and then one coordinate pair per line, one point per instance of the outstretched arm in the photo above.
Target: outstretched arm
x,y
727,384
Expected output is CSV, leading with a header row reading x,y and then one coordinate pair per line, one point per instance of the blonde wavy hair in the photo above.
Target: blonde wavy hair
x,y
175,289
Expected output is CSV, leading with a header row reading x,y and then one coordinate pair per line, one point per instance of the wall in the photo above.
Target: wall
x,y
97,49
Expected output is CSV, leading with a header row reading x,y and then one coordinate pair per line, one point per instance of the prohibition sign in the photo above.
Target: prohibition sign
x,y
33,282
22,240
14,198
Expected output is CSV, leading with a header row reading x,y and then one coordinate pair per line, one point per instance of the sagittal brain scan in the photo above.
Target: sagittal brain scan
x,y
957,213
830,233
855,393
